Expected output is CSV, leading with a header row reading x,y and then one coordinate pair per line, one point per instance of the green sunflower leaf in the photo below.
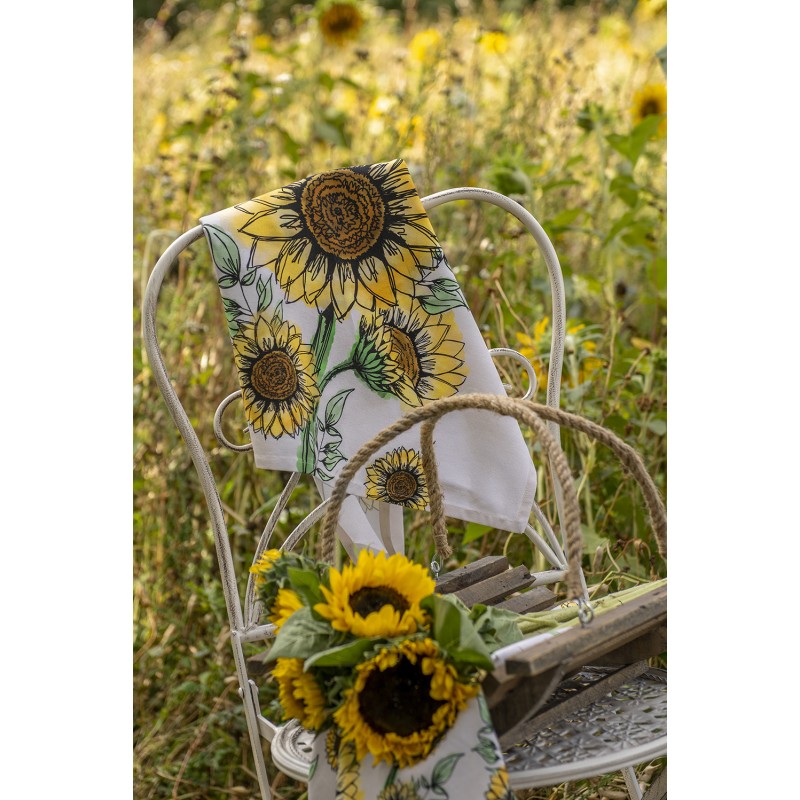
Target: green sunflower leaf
x,y
335,407
224,251
346,655
301,636
455,633
306,583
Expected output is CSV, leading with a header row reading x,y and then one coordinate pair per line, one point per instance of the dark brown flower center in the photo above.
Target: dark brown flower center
x,y
651,107
405,353
274,376
344,212
398,700
373,598
342,19
401,486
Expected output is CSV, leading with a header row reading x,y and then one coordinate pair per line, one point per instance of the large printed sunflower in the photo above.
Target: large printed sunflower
x,y
352,236
398,478
300,694
277,375
402,701
427,358
379,596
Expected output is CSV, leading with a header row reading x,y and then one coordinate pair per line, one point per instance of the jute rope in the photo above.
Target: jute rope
x,y
532,414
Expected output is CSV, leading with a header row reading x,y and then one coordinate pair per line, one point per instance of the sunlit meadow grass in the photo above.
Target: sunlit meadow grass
x,y
540,105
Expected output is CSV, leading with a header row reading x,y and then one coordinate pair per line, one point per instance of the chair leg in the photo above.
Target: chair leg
x,y
632,783
251,711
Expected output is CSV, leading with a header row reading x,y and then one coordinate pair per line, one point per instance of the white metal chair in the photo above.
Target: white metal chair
x,y
622,728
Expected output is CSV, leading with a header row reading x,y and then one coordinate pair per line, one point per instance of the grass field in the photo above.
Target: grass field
x,y
561,108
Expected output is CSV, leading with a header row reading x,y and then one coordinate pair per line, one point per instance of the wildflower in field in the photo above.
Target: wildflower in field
x,y
340,22
650,9
356,236
649,100
378,596
426,46
398,478
277,376
403,700
494,43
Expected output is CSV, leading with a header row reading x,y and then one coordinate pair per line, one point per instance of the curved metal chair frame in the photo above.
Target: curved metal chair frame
x,y
290,744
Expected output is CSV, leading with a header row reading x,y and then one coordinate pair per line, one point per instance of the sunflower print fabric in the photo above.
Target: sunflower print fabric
x,y
344,314
463,762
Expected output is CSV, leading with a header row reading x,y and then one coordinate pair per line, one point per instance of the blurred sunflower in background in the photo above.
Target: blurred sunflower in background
x,y
648,101
300,694
339,22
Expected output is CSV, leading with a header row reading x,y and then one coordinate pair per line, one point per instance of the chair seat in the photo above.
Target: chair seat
x,y
627,726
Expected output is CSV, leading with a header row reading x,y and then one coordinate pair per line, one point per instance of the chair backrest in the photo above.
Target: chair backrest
x,y
244,620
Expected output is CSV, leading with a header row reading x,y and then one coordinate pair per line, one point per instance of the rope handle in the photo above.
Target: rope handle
x,y
533,415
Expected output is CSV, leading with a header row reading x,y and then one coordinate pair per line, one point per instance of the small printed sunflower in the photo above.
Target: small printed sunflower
x,y
300,695
332,748
277,375
286,603
429,360
402,701
379,596
373,358
498,786
399,791
651,100
340,22
355,236
348,773
398,478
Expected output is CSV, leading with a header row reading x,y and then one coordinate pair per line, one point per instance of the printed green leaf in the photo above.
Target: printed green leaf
x,y
335,407
312,767
442,288
249,277
486,750
433,305
444,769
227,281
264,293
224,251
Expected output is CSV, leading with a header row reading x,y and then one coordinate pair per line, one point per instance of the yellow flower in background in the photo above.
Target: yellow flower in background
x,y
403,700
300,695
398,478
650,9
286,603
340,22
494,43
277,375
649,100
425,46
378,596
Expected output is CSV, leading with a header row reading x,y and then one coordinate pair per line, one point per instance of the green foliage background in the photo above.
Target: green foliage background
x,y
531,99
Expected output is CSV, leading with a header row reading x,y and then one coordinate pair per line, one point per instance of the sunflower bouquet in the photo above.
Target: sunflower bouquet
x,y
372,653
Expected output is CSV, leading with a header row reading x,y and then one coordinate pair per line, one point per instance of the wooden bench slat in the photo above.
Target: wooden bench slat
x,y
497,587
479,570
539,598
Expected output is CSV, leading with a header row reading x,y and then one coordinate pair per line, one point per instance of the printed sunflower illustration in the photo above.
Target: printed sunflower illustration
x,y
399,791
498,786
650,99
398,478
340,22
300,694
356,236
277,376
374,358
427,357
402,701
379,596
348,783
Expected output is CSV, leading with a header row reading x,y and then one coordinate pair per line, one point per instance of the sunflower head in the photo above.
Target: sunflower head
x,y
651,100
398,478
401,703
264,563
286,603
300,695
378,596
374,358
277,375
340,22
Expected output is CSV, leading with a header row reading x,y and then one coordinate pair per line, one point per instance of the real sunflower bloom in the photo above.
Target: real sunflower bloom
x,y
427,356
378,596
402,701
286,603
340,22
649,100
299,693
355,236
277,375
398,478
498,786
264,564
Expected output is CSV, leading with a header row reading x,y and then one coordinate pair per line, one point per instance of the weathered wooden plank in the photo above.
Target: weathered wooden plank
x,y
527,727
657,790
497,587
537,599
606,633
471,573
650,644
